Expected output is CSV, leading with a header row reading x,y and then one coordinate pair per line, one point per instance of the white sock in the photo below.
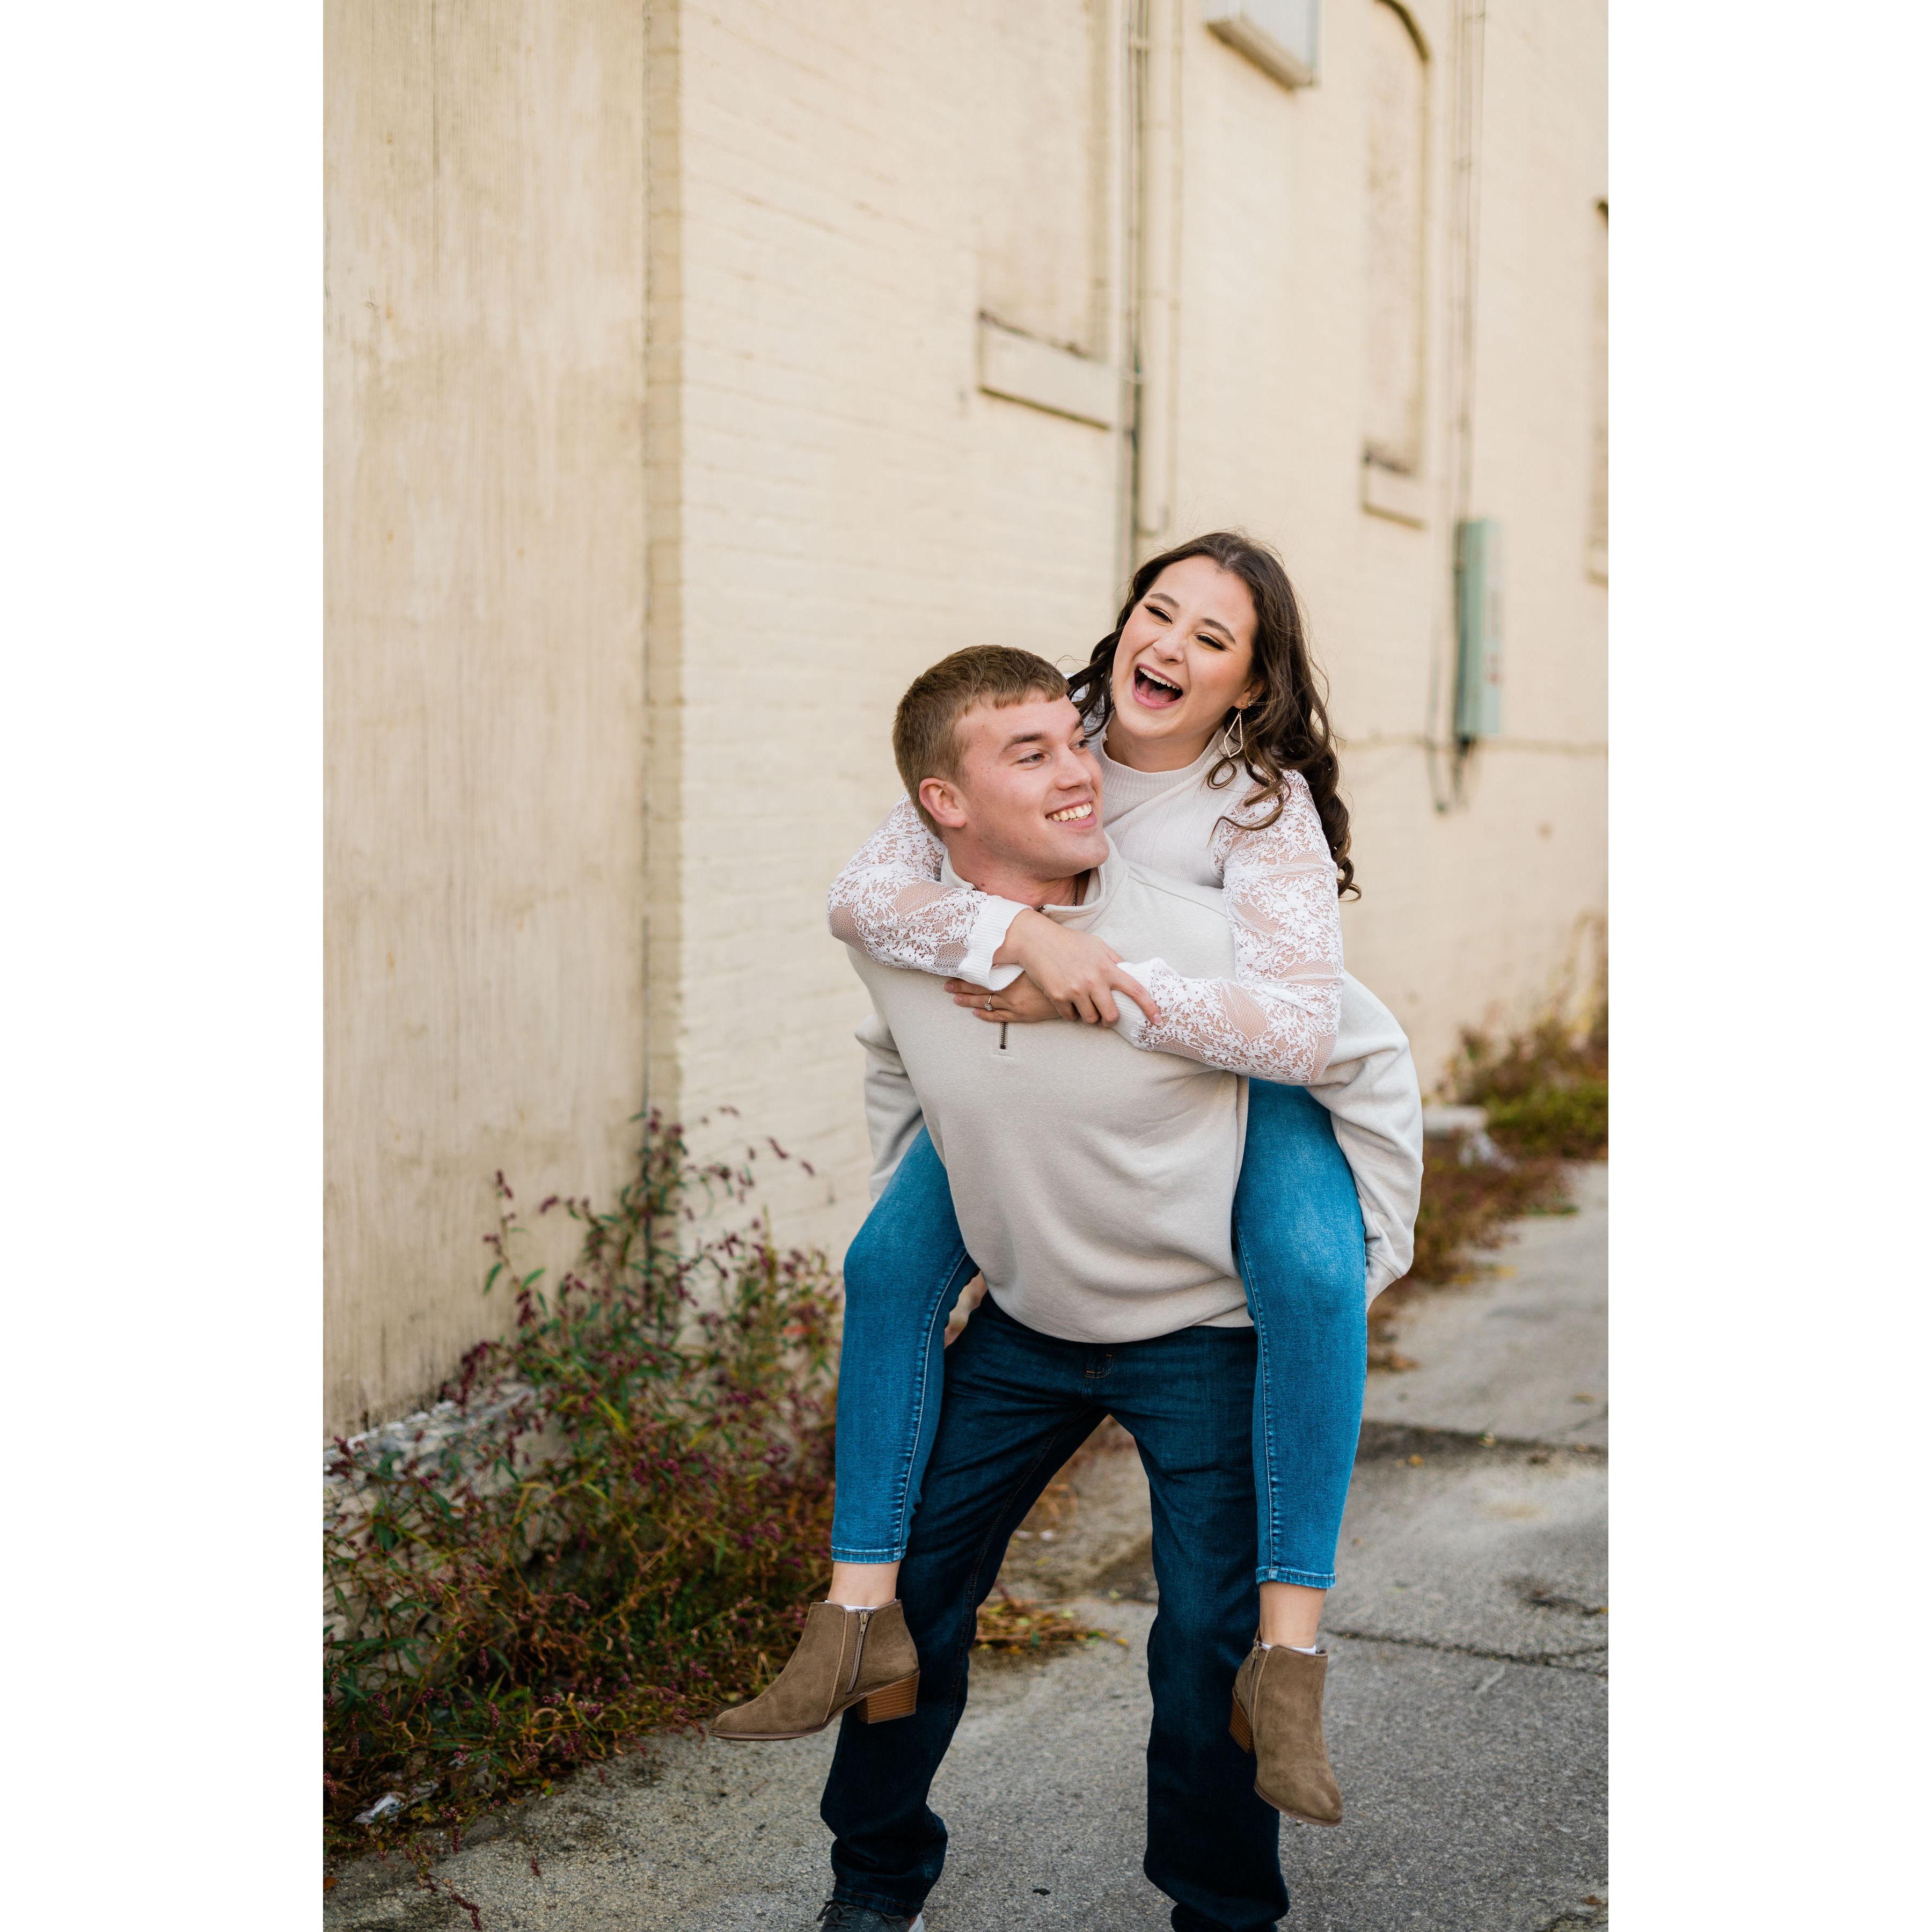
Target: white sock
x,y
860,1606
1304,1649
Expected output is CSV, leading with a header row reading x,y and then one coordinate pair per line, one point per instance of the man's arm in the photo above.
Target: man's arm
x,y
893,1116
1370,1089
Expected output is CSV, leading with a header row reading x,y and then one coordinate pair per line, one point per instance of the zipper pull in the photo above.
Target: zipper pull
x,y
858,1649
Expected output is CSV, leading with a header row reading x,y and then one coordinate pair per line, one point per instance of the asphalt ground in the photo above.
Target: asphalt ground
x,y
1466,1695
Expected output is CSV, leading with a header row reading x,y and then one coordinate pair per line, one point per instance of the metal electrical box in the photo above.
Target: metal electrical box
x,y
1479,628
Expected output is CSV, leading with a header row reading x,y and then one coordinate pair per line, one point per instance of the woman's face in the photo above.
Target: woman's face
x,y
1185,659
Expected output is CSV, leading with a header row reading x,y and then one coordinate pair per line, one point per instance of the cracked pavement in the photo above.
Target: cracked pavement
x,y
1466,1699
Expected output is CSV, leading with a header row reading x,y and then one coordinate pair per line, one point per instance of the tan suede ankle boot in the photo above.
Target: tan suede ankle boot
x,y
1277,1715
845,1658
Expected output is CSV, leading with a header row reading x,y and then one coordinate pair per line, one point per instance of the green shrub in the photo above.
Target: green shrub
x,y
1572,1123
1546,1091
622,1539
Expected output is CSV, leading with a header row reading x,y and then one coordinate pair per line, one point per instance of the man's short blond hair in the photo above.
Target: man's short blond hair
x,y
925,730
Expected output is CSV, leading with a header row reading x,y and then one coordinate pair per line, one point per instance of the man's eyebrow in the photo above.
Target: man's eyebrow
x,y
1023,738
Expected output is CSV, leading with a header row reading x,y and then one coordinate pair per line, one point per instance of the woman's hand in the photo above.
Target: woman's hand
x,y
1077,973
1022,1002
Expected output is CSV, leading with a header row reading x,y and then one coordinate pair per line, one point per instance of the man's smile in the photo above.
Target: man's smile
x,y
1072,815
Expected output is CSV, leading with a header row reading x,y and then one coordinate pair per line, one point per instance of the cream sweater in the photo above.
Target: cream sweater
x,y
1094,1183
892,903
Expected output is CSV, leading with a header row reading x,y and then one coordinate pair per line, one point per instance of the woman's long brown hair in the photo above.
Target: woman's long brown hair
x,y
1286,728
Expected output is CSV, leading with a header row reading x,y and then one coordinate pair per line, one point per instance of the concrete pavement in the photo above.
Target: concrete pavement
x,y
1467,1692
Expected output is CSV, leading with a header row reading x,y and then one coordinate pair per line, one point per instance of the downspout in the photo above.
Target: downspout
x,y
1133,291
1466,229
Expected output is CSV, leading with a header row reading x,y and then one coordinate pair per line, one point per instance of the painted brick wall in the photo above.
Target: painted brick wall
x,y
680,413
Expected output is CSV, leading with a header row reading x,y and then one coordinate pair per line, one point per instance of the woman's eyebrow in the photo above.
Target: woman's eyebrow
x,y
1207,623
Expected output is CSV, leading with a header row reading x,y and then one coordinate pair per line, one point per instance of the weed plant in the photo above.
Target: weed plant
x,y
623,1538
1546,1091
1466,1210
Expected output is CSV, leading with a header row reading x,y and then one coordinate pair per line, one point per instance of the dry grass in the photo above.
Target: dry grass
x,y
1546,1091
1465,1211
1010,1624
1547,1094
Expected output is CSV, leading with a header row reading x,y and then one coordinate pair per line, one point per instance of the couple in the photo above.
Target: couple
x,y
1121,1073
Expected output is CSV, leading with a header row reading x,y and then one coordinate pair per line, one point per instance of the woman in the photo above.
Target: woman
x,y
1217,767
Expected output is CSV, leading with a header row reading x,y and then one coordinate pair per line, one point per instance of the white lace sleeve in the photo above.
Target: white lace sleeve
x,y
1276,1018
888,903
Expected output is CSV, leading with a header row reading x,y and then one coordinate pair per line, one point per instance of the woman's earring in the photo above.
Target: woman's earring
x,y
1238,733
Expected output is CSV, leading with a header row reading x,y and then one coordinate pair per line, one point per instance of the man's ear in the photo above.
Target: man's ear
x,y
941,798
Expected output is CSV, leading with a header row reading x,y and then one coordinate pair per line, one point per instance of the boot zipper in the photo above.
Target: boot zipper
x,y
859,1654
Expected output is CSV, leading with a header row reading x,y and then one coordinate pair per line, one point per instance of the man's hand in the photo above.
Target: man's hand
x,y
1077,974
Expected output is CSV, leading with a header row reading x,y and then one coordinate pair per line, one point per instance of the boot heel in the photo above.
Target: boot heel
x,y
895,1700
1239,1729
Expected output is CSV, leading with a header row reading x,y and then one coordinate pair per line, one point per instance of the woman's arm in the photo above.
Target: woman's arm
x,y
888,903
1276,1019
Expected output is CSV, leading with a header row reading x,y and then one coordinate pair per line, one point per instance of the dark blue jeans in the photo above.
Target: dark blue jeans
x,y
1017,1405
1297,1230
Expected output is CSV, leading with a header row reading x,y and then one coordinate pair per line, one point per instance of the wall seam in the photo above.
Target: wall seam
x,y
664,597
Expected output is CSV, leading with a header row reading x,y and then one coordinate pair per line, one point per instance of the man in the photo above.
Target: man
x,y
1093,1183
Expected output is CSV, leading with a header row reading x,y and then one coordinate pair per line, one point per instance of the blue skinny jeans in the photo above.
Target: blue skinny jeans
x,y
1018,1404
1298,1242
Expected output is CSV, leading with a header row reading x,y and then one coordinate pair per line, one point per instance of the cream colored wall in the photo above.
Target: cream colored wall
x,y
1478,912
836,195
853,506
1470,914
485,608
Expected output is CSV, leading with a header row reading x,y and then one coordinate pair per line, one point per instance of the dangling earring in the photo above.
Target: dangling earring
x,y
1239,733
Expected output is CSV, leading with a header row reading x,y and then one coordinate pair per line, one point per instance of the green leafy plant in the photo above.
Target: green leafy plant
x,y
1546,1091
617,1531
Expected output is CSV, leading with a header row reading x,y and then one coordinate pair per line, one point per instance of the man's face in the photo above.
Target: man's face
x,y
1029,789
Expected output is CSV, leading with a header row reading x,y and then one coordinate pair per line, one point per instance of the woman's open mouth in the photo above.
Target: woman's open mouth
x,y
1157,693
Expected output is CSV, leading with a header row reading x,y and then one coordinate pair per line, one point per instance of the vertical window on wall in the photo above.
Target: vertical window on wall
x,y
1037,135
1398,112
1599,553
